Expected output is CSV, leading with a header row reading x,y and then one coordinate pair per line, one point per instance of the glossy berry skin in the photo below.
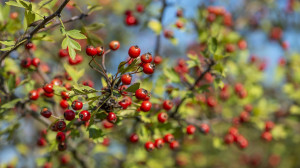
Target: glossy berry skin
x,y
33,95
174,145
148,68
64,104
126,79
48,88
91,51
46,113
162,117
267,136
77,105
168,138
84,115
111,117
167,105
146,106
157,60
141,93
125,102
134,138
48,94
60,137
146,58
131,20
56,82
159,143
25,63
114,45
41,142
100,51
65,95
107,124
204,128
63,53
190,129
149,146
134,51
35,62
69,115
29,45
60,125
269,125
228,139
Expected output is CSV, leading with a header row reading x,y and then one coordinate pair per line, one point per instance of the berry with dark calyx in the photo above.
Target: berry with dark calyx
x,y
269,125
62,146
60,125
190,129
64,104
35,62
125,102
134,138
126,79
229,139
267,136
167,105
159,143
157,60
69,115
146,58
149,146
84,115
65,95
88,83
25,63
46,113
60,137
162,117
111,117
100,51
48,88
168,34
48,94
179,13
174,145
91,51
179,24
29,45
168,138
114,45
148,68
146,106
77,105
204,128
134,51
63,53
41,142
33,95
141,93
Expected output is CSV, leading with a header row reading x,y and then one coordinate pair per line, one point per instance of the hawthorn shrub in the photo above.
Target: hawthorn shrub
x,y
78,90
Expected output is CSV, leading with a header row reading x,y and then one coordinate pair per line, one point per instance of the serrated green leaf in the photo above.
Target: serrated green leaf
x,y
133,88
74,44
76,34
64,43
8,43
172,75
13,3
95,132
10,104
75,75
72,52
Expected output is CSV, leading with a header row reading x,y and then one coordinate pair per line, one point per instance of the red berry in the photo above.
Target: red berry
x,y
134,138
14,15
211,102
157,60
146,106
162,117
179,24
64,104
88,83
65,95
149,146
242,44
190,129
125,102
134,51
234,132
41,142
141,93
167,105
77,105
106,142
48,94
168,34
60,137
248,108
29,45
62,146
91,51
126,79
168,138
114,45
208,77
77,60
84,115
148,68
229,139
100,51
107,124
131,20
242,141
111,117
33,95
47,165
269,125
69,115
204,128
140,8
242,94
244,116
238,87
230,48
25,63
60,125
56,82
179,13
63,53
174,145
35,62
48,88
267,136
46,113
65,159
159,143
146,58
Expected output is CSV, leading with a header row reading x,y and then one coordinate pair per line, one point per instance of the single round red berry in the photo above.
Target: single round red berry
x,y
167,105
25,63
46,113
149,146
168,138
56,82
190,129
91,51
114,45
48,94
134,51
60,137
106,124
100,51
146,58
60,125
157,60
33,95
269,125
267,136
77,60
64,104
141,93
62,146
244,116
204,128
148,68
125,102
134,138
248,108
234,132
69,115
65,95
211,102
238,87
162,117
159,143
65,159
174,145
63,53
48,88
106,142
88,83
35,62
41,142
126,79
77,105
29,45
131,20
111,117
146,106
229,139
84,115
140,8
179,24
242,141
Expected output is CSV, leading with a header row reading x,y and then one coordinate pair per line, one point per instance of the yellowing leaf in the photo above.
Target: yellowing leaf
x,y
155,26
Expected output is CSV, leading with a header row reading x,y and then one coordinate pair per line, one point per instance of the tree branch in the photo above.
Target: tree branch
x,y
158,37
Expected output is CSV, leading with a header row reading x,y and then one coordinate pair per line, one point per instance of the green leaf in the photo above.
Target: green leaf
x,y
133,88
8,43
30,17
72,53
95,132
213,45
74,44
76,34
10,104
171,74
64,43
13,3
7,48
76,75
93,8
94,26
155,26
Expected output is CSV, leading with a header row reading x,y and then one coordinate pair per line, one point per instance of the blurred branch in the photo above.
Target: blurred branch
x,y
158,37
